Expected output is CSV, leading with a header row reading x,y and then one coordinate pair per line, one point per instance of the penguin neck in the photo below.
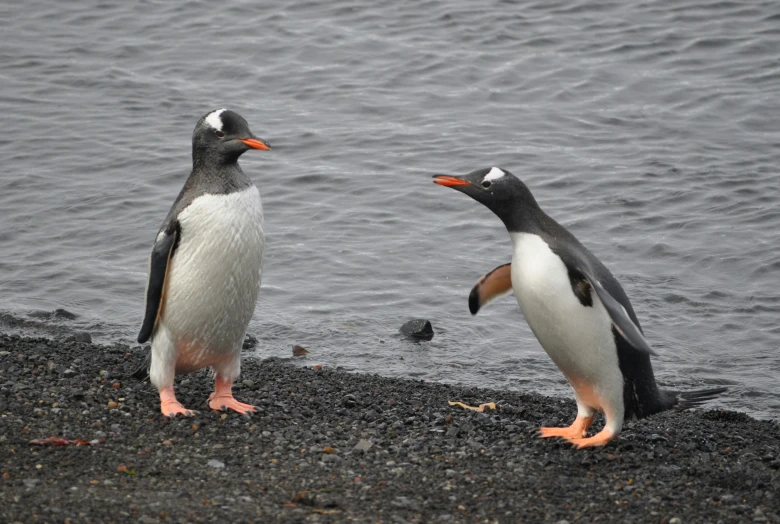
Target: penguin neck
x,y
203,158
522,213
534,221
218,177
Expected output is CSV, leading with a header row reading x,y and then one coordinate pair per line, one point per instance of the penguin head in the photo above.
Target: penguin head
x,y
499,190
222,136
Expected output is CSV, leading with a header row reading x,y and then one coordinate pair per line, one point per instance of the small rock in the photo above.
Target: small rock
x,y
349,401
418,328
675,520
250,341
69,372
248,383
299,351
406,503
83,336
655,437
363,445
31,483
63,313
214,463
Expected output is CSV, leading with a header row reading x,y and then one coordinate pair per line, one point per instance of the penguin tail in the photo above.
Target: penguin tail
x,y
694,399
142,373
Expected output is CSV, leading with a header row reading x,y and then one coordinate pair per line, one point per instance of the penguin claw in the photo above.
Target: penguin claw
x,y
172,409
223,404
185,413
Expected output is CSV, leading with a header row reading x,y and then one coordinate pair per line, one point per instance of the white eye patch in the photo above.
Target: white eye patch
x,y
215,119
494,174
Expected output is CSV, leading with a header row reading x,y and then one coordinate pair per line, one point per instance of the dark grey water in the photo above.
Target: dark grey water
x,y
650,130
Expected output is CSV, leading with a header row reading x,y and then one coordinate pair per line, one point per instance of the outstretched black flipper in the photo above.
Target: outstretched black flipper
x,y
162,252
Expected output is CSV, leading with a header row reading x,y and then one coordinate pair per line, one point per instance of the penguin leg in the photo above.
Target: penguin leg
x,y
614,413
222,398
578,428
163,370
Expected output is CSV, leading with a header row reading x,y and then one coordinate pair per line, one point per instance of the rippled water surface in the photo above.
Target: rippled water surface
x,y
649,129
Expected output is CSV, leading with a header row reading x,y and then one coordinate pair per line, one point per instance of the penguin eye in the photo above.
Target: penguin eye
x,y
220,134
486,184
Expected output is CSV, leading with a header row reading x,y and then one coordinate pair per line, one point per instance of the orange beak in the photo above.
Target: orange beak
x,y
256,143
449,181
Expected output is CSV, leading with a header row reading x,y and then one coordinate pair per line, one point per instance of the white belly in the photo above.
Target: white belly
x,y
214,276
579,339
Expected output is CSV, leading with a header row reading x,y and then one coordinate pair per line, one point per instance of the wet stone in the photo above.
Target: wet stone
x,y
349,401
82,336
250,341
299,351
418,328
63,313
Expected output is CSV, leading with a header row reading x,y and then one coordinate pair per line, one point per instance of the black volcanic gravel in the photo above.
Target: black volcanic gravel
x,y
331,446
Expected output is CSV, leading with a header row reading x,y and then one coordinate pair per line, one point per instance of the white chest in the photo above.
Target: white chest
x,y
215,272
578,338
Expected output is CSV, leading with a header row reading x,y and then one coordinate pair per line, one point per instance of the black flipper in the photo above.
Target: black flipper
x,y
620,319
158,273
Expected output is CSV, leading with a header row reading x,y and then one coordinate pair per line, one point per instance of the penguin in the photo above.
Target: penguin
x,y
576,309
205,267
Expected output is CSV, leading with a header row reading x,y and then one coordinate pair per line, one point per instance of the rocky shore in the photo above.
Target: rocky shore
x,y
332,446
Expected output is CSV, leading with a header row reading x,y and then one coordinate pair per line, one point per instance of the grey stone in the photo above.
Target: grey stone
x,y
363,445
418,328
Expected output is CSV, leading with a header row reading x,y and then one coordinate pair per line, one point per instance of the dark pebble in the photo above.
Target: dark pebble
x,y
83,336
63,313
418,328
299,351
57,313
250,341
349,401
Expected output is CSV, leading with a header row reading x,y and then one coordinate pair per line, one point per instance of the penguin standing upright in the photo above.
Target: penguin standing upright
x,y
205,266
575,307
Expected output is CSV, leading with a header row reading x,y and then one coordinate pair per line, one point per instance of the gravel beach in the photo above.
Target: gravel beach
x,y
332,446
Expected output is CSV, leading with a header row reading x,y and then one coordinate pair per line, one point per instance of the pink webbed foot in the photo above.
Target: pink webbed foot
x,y
223,402
578,429
170,407
599,439
222,398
